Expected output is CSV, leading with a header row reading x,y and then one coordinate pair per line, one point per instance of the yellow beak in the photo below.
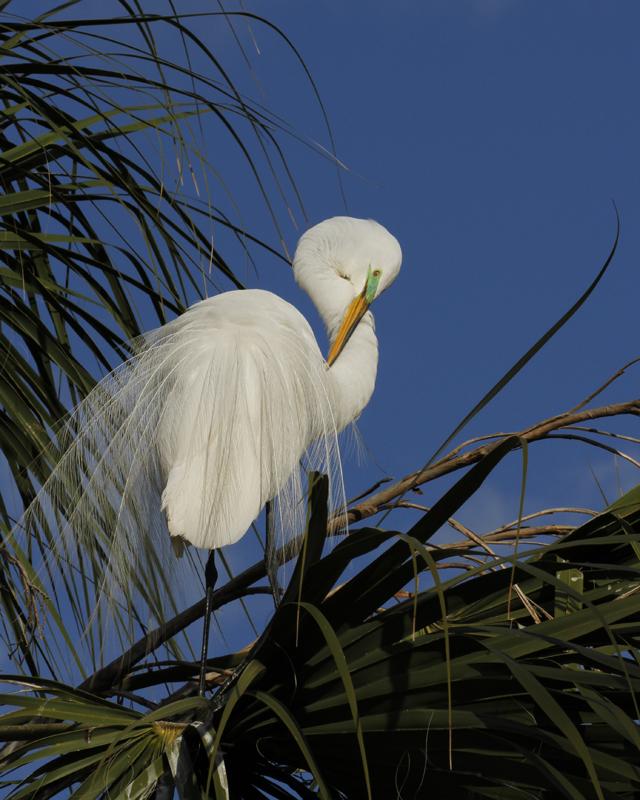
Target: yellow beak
x,y
352,317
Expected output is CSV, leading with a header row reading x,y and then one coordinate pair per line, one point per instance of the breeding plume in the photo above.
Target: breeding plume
x,y
211,417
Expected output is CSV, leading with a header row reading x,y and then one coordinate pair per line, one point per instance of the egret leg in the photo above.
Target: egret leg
x,y
210,578
270,552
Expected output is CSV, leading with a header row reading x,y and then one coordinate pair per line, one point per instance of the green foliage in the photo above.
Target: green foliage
x,y
459,690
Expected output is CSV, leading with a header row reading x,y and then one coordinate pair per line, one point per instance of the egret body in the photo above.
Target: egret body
x,y
252,389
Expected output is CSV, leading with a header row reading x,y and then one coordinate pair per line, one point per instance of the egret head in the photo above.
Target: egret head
x,y
343,264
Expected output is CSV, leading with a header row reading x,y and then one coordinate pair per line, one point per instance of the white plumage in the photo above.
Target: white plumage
x,y
252,390
249,395
213,413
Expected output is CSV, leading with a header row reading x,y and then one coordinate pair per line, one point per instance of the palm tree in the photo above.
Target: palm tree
x,y
478,668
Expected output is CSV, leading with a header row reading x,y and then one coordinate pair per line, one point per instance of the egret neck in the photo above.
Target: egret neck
x,y
353,373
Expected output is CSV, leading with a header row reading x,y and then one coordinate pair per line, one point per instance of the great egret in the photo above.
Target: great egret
x,y
210,418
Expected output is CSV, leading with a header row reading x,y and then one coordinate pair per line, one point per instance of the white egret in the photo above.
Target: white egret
x,y
210,418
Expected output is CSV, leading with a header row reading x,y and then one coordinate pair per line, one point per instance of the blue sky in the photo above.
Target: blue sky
x,y
490,136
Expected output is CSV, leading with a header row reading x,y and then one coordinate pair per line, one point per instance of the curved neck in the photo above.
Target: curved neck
x,y
353,374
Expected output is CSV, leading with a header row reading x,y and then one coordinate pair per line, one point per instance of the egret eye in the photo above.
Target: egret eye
x,y
377,273
344,277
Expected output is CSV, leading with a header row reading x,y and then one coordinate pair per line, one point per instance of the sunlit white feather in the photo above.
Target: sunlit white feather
x,y
243,407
